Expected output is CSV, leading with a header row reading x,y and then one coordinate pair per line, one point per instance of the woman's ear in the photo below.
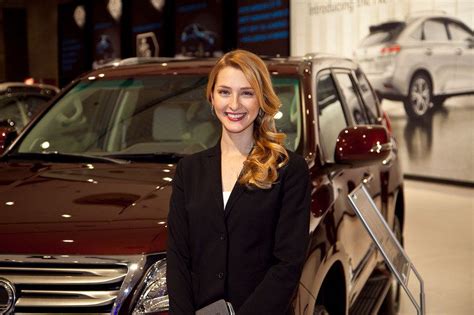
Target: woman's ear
x,y
211,99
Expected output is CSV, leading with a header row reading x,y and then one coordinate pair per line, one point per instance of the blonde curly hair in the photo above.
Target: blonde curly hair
x,y
268,155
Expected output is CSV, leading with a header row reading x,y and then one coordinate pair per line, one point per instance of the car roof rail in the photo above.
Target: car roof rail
x,y
140,60
144,60
310,56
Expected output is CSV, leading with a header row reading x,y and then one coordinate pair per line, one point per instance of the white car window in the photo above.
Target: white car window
x,y
417,34
435,30
457,32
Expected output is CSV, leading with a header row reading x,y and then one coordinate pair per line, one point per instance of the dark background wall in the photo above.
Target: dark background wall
x,y
43,40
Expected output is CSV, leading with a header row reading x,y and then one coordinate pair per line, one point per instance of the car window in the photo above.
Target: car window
x,y
288,119
144,115
352,99
12,108
417,33
384,33
330,114
458,32
34,104
369,97
434,30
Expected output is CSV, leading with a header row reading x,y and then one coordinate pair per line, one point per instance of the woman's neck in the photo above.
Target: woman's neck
x,y
236,143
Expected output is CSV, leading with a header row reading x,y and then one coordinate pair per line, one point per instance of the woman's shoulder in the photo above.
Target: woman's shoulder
x,y
197,157
296,162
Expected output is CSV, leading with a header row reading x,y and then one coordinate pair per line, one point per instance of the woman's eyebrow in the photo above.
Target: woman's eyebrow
x,y
222,86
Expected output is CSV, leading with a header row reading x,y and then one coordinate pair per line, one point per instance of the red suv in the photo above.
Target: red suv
x,y
84,190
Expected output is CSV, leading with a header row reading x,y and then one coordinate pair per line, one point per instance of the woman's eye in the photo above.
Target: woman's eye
x,y
223,92
248,93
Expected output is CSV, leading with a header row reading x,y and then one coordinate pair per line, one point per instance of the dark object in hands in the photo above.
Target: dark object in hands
x,y
220,307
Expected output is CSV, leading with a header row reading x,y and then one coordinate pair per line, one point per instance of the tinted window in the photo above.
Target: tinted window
x,y
331,115
458,32
12,108
369,97
34,104
434,30
352,100
288,119
145,115
382,34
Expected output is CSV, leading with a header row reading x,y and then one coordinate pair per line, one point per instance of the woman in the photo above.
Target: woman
x,y
239,212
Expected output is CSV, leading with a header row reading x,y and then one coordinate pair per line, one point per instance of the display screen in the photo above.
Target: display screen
x,y
106,16
148,28
263,26
198,28
72,38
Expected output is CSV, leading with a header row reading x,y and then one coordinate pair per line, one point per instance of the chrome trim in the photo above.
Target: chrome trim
x,y
9,290
381,147
69,259
135,272
47,298
44,271
45,275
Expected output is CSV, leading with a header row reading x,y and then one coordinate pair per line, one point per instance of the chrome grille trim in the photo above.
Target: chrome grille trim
x,y
71,282
46,275
47,298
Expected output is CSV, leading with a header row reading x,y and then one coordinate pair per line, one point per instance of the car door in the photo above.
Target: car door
x,y
439,55
333,117
357,115
462,41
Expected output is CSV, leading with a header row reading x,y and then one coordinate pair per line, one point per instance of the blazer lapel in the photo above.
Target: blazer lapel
x,y
214,167
234,197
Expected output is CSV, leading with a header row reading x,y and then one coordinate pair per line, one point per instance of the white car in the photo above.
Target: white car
x,y
420,61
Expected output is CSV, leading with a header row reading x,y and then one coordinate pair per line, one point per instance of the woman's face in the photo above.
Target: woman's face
x,y
235,102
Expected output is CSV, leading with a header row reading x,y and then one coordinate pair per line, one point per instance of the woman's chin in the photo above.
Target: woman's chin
x,y
235,128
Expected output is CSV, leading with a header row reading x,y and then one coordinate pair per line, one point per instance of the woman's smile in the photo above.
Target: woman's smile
x,y
235,116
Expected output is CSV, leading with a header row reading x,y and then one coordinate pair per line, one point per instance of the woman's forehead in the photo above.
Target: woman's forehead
x,y
231,76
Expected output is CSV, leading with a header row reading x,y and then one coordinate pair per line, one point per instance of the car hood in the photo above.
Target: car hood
x,y
95,209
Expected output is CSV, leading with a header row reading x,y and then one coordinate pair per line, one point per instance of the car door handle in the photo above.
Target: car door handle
x,y
368,177
428,51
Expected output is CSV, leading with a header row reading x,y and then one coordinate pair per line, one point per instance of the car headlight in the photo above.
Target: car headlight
x,y
154,296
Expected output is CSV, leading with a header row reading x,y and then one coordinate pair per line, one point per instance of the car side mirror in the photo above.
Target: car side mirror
x,y
362,145
8,134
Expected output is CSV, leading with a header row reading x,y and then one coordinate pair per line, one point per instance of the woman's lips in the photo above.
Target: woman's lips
x,y
235,116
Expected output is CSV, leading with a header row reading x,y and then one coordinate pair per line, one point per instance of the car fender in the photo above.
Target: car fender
x,y
314,272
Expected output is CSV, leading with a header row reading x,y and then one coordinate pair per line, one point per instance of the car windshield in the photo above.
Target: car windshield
x,y
20,108
381,34
143,116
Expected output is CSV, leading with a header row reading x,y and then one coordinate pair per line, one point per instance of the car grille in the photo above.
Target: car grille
x,y
76,284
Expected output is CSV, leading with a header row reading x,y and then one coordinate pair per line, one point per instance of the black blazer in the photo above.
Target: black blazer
x,y
251,253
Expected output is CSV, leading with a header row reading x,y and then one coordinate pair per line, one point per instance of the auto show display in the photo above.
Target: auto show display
x,y
85,188
434,54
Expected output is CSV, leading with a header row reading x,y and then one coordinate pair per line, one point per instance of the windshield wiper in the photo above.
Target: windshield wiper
x,y
149,157
64,157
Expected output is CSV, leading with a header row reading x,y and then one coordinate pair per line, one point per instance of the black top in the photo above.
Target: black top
x,y
252,253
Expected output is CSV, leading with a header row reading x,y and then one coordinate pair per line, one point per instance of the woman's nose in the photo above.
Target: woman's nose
x,y
234,103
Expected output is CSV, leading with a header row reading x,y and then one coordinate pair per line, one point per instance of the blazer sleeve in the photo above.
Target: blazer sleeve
x,y
178,275
273,295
